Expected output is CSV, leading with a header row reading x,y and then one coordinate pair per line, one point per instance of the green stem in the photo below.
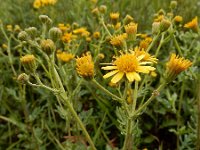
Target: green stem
x,y
153,42
198,115
178,116
160,44
129,137
154,94
106,91
177,46
135,96
102,21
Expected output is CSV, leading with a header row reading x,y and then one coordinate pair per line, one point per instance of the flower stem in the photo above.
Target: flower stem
x,y
153,42
154,94
106,91
129,137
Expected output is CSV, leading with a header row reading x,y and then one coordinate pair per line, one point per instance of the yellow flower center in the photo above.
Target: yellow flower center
x,y
126,63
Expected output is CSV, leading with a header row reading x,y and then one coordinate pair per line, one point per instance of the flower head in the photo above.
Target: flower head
x,y
131,28
65,57
175,66
178,19
127,64
118,40
29,62
145,43
85,66
192,24
114,16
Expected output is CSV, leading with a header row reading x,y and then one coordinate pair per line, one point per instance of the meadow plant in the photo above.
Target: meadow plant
x,y
127,72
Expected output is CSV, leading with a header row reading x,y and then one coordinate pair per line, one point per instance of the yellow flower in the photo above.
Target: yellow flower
x,y
67,37
82,31
96,35
114,16
127,64
29,62
65,57
37,4
117,26
159,18
85,66
146,57
192,24
118,40
145,43
63,27
175,66
178,19
9,28
131,28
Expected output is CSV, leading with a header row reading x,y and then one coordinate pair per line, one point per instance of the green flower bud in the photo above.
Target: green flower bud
x,y
23,36
128,19
55,33
173,4
45,19
23,78
155,27
48,46
164,25
103,9
32,32
29,63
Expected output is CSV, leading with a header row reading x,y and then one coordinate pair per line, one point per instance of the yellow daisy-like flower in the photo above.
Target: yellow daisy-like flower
x,y
178,19
37,4
146,57
29,62
65,57
96,35
129,65
63,27
176,65
192,24
131,28
159,18
145,43
114,16
85,66
67,37
118,39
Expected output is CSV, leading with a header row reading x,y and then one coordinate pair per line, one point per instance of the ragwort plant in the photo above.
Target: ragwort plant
x,y
48,58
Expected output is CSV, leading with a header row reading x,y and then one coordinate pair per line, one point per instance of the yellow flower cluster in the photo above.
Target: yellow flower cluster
x,y
41,3
145,43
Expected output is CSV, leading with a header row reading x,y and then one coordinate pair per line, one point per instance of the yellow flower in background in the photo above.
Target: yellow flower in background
x,y
40,3
118,40
63,56
159,18
81,31
96,35
9,28
114,16
178,19
192,24
67,37
85,66
145,43
176,65
129,65
117,26
146,57
29,62
63,27
131,28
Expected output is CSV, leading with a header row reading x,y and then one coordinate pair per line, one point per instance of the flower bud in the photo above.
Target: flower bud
x,y
32,31
155,27
29,63
128,19
95,11
23,36
45,19
173,4
103,9
23,78
48,46
17,28
164,25
55,33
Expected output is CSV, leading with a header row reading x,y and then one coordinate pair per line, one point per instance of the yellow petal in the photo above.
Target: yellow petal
x,y
117,77
109,67
131,76
109,74
145,69
145,62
